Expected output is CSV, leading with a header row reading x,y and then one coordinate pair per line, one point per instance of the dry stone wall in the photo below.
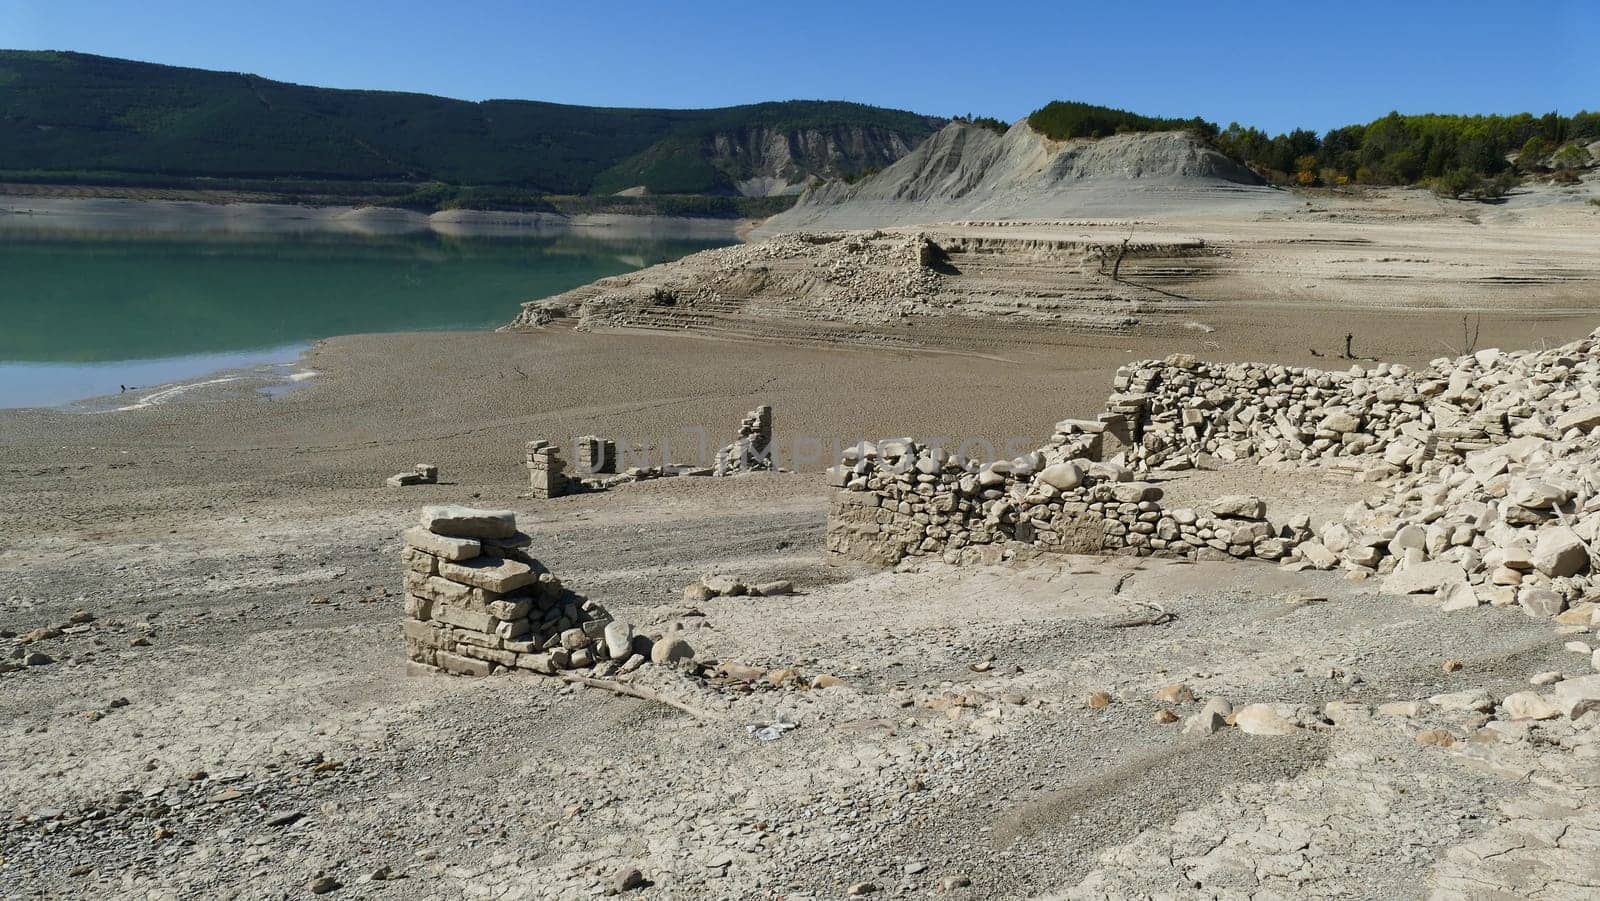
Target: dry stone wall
x,y
901,499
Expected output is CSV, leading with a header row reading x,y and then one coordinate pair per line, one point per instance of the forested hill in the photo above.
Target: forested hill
x,y
73,113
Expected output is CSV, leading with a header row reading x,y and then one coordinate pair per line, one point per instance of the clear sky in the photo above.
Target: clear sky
x,y
1276,65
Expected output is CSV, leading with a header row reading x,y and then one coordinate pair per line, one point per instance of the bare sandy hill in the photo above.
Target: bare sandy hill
x,y
964,171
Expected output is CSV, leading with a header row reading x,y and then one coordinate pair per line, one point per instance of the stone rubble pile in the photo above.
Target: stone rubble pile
x,y
477,603
1504,522
1186,411
423,474
752,450
864,277
902,499
1383,420
716,586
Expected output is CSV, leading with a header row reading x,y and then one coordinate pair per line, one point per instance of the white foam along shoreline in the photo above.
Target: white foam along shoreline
x,y
94,388
97,214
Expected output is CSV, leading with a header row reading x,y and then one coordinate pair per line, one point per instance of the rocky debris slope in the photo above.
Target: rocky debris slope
x,y
964,171
1507,523
857,278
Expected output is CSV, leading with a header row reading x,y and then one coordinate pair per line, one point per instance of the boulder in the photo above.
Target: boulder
x,y
1263,719
1583,419
1318,556
671,650
1063,476
1575,697
1535,495
1529,705
1559,552
1239,506
1457,596
619,640
1536,600
1423,578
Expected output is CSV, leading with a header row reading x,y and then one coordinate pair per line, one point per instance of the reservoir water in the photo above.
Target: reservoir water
x,y
90,316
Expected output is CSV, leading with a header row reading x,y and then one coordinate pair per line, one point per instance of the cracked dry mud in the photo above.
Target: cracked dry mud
x,y
265,736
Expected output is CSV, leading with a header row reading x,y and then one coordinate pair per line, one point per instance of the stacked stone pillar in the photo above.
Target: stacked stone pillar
x,y
752,451
597,456
547,474
477,603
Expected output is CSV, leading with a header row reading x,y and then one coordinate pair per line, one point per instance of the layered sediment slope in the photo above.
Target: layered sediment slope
x,y
964,171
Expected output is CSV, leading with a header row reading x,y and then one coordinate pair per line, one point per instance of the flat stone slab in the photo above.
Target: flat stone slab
x,y
442,546
497,574
468,522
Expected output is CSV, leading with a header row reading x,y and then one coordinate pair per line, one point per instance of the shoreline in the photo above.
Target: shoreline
x,y
90,215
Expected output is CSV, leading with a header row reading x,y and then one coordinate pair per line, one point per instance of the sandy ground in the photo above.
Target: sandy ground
x,y
234,721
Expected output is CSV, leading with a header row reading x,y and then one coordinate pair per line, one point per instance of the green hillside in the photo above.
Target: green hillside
x,y
73,113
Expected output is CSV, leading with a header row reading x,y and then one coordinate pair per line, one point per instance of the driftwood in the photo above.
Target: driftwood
x,y
629,690
1158,616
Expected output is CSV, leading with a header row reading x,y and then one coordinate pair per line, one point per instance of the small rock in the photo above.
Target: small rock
x,y
626,878
1263,719
671,650
1097,700
323,885
1435,738
1476,699
1451,666
1163,717
1178,693
861,888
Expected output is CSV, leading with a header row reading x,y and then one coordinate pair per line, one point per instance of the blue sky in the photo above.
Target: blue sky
x,y
1276,65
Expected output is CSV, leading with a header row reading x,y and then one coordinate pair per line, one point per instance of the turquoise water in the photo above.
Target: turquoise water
x,y
81,317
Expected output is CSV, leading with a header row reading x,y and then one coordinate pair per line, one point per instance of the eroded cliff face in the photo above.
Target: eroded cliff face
x,y
966,172
763,161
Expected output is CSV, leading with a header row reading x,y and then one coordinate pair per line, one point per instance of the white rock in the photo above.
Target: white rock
x,y
1063,476
1318,556
1457,596
1422,578
1529,705
1560,553
1263,719
1239,506
619,639
1475,699
1539,601
1577,696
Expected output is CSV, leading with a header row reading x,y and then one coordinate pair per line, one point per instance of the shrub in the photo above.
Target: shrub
x,y
1064,119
